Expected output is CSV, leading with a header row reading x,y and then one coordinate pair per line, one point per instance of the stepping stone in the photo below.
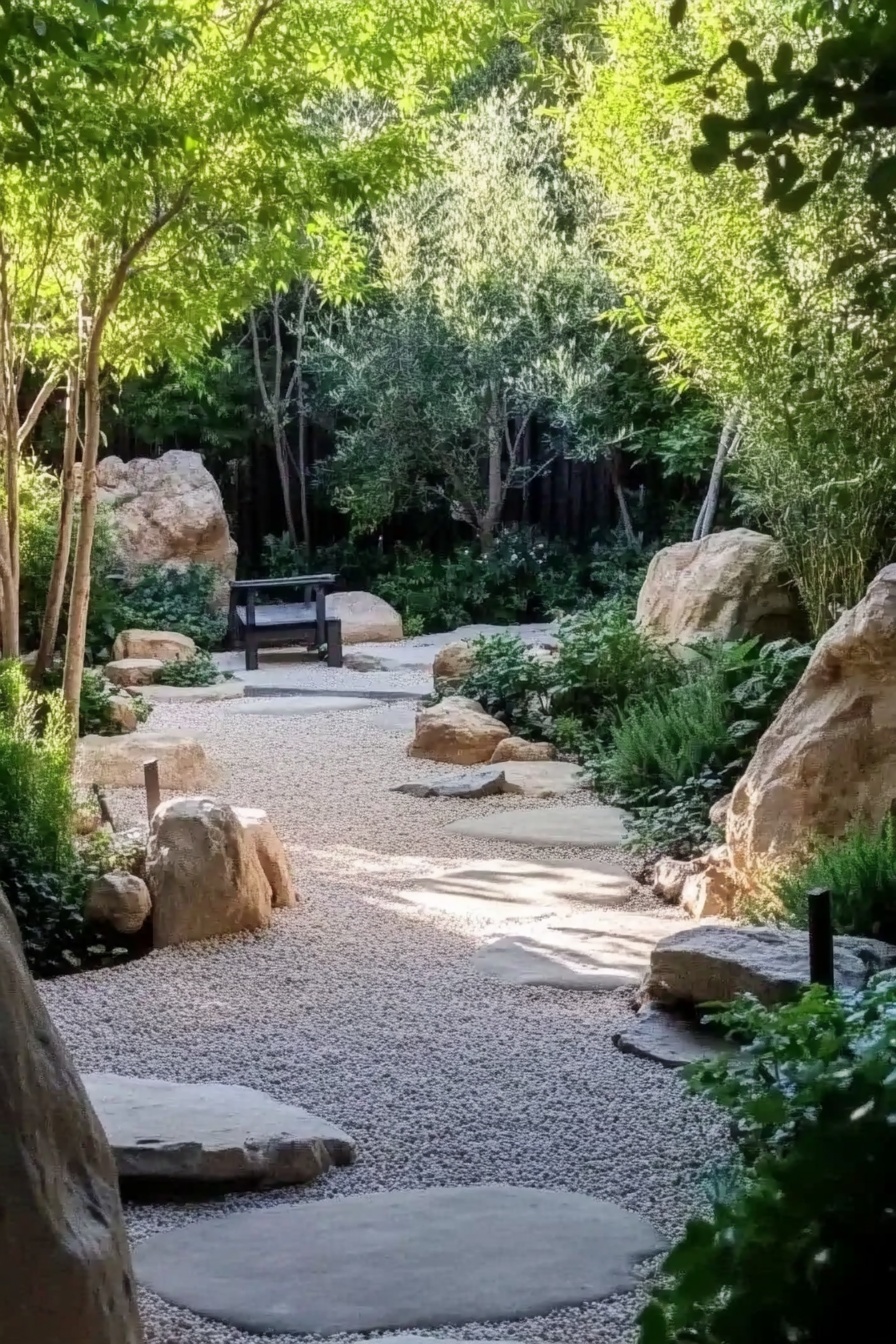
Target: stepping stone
x,y
175,1134
669,1038
289,705
511,889
220,690
598,949
471,784
398,1260
544,779
590,827
397,719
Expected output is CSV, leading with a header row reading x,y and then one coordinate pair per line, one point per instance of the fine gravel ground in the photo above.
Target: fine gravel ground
x,y
364,1008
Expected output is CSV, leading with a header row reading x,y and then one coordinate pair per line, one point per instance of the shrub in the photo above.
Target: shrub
x,y
809,1224
163,598
96,715
200,670
860,871
509,683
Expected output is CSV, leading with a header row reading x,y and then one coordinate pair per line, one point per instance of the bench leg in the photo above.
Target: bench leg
x,y
251,652
334,643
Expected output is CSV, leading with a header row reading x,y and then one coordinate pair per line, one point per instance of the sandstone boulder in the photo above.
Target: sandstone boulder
x,y
119,899
718,813
455,732
713,963
366,619
65,1265
713,890
728,586
203,873
669,876
829,758
117,762
518,749
168,510
166,645
123,712
271,854
133,671
452,664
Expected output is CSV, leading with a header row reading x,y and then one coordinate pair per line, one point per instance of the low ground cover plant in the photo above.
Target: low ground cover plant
x,y
859,869
199,670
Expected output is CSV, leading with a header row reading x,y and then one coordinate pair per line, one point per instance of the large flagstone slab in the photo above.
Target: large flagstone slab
x,y
593,826
398,1260
505,890
211,1133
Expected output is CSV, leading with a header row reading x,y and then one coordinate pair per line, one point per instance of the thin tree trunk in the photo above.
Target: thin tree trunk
x,y
299,381
56,590
9,487
624,514
273,405
495,439
707,516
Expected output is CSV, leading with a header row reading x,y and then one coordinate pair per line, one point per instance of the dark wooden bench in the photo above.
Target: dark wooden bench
x,y
255,625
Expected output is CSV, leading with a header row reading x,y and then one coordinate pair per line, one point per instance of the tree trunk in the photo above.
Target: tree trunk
x,y
495,439
56,590
299,381
707,516
624,516
9,485
76,635
273,404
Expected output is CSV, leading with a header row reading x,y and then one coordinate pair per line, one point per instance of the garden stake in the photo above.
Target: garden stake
x,y
821,938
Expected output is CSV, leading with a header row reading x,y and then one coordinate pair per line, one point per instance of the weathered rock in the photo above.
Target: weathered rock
x,y
133,671
668,1037
123,712
454,732
166,645
518,749
472,784
118,762
172,1134
544,779
452,664
713,890
203,873
730,585
718,813
829,758
119,899
65,1266
168,510
366,619
669,876
711,963
271,854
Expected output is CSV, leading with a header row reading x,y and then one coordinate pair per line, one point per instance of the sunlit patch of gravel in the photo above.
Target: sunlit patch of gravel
x,y
367,1010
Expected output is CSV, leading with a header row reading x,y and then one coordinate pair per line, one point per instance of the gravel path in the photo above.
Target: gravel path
x,y
365,1009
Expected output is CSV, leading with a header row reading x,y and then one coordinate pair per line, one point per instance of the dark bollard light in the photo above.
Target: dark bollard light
x,y
821,938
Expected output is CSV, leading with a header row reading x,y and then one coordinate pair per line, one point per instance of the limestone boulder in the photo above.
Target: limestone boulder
x,y
455,732
518,749
366,619
166,645
452,664
65,1265
271,854
669,876
730,585
203,873
718,813
117,762
168,510
829,758
133,671
713,963
119,899
714,889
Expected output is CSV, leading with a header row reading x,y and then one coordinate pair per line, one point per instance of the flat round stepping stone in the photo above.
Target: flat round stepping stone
x,y
469,784
597,949
590,827
211,1133
670,1038
499,890
398,1260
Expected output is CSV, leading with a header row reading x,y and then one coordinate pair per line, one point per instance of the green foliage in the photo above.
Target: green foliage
x,y
200,670
164,598
675,752
748,303
810,1224
860,871
510,683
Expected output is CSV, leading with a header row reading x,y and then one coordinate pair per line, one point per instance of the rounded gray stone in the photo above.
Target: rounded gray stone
x,y
211,1134
399,1260
593,826
669,1038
